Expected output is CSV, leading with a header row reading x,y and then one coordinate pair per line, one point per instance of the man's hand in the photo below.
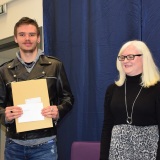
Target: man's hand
x,y
50,112
13,112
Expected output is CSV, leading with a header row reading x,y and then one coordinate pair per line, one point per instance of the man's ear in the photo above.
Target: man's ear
x,y
39,39
15,39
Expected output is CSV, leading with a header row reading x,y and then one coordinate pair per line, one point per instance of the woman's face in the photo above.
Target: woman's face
x,y
134,66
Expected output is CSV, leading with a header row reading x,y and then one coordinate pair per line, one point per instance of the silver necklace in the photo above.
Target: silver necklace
x,y
129,118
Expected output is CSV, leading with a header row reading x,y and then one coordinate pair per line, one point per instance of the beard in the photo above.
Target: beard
x,y
25,51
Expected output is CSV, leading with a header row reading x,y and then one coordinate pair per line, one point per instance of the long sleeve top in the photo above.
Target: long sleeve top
x,y
146,110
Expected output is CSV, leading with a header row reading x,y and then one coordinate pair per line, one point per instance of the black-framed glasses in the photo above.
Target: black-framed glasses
x,y
129,57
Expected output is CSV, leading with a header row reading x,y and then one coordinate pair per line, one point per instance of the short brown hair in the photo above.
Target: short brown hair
x,y
26,20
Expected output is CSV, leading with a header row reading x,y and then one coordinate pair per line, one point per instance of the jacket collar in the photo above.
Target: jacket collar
x,y
43,60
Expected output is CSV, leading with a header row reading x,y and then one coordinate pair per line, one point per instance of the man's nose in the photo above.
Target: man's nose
x,y
27,36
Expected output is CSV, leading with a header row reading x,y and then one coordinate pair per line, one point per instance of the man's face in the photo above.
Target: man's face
x,y
27,38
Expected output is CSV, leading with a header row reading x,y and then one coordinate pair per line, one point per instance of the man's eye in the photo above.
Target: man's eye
x,y
21,34
32,34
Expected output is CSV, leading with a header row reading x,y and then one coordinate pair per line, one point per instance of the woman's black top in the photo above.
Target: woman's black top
x,y
146,110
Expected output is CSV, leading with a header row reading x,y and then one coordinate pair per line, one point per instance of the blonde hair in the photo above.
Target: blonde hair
x,y
150,75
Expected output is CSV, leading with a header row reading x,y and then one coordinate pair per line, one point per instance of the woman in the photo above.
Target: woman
x,y
132,107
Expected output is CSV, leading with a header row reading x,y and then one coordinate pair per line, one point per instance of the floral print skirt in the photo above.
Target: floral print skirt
x,y
131,142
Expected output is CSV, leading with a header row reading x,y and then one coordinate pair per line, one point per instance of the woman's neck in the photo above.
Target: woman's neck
x,y
136,78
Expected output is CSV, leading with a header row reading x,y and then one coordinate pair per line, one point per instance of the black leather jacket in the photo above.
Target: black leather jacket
x,y
59,90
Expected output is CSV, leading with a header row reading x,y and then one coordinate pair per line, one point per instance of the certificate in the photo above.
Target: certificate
x,y
31,96
31,112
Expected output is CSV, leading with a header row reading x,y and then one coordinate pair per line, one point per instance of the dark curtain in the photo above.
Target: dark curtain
x,y
86,36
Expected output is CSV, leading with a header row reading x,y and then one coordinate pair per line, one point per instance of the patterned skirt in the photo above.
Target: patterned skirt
x,y
130,142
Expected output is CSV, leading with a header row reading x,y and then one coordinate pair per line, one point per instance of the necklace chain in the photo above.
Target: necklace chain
x,y
129,119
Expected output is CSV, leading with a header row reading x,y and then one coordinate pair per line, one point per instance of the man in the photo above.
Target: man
x,y
31,63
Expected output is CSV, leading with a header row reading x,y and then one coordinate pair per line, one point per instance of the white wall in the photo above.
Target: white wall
x,y
15,10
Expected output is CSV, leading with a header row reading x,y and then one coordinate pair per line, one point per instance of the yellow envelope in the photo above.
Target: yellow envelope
x,y
31,89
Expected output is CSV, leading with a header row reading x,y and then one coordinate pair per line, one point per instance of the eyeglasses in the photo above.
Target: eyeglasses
x,y
129,57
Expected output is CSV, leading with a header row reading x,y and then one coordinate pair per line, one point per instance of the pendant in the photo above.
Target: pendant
x,y
129,120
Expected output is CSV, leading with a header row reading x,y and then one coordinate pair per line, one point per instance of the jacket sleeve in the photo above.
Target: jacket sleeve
x,y
107,125
2,99
65,96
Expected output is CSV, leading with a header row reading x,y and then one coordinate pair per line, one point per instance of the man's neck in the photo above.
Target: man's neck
x,y
28,56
